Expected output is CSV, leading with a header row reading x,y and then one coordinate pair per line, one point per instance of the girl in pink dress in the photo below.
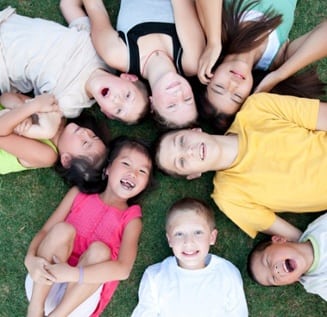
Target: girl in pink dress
x,y
89,244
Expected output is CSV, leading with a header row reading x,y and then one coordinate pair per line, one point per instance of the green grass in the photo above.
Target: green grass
x,y
28,198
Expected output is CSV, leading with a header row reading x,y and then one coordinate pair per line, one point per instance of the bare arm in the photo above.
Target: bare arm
x,y
121,268
105,38
210,15
30,153
22,107
72,9
301,52
283,228
190,34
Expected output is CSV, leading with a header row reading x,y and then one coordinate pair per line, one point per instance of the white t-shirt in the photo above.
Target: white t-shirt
x,y
46,57
167,290
315,280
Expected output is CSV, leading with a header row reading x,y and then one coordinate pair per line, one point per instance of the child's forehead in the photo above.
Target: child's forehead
x,y
186,216
133,153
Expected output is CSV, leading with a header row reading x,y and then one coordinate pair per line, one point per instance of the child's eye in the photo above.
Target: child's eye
x,y
238,99
125,163
171,106
128,95
145,172
118,111
188,100
178,234
198,232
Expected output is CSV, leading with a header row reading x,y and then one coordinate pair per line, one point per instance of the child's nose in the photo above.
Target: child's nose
x,y
188,239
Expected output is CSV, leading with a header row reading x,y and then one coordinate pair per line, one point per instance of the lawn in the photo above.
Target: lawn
x,y
28,198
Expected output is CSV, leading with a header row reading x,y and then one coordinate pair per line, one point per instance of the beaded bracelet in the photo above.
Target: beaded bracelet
x,y
81,275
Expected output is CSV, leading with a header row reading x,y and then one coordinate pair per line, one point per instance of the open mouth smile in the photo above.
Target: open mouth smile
x,y
127,184
289,265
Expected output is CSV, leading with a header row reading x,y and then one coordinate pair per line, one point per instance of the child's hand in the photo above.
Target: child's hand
x,y
24,126
44,103
206,62
63,272
37,269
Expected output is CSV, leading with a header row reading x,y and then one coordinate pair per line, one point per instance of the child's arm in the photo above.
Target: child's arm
x,y
210,15
301,52
285,229
190,34
30,153
106,271
34,264
72,9
106,40
18,119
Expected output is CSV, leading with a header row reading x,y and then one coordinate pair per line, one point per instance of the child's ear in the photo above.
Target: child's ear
x,y
193,176
213,236
65,159
168,239
130,77
278,239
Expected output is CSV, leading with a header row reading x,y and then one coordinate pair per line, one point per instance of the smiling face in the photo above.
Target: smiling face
x,y
118,97
172,98
187,152
280,263
190,236
76,141
230,86
129,173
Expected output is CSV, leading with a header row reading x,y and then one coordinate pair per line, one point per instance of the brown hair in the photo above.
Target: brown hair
x,y
192,204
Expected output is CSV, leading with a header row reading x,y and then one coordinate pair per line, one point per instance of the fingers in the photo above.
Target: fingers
x,y
40,273
23,126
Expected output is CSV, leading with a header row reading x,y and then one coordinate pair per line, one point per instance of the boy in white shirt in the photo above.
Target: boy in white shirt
x,y
193,282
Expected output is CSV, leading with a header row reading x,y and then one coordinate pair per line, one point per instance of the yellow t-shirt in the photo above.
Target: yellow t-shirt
x,y
281,164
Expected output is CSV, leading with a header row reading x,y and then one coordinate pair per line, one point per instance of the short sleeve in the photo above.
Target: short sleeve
x,y
148,301
81,24
303,112
249,217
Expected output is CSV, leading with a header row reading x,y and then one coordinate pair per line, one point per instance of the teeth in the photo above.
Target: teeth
x,y
127,184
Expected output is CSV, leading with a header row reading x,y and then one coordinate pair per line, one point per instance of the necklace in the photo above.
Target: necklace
x,y
154,52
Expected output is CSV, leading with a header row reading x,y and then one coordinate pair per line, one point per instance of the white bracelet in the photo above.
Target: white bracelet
x,y
81,275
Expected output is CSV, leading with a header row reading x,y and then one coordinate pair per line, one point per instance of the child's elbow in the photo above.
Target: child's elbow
x,y
125,275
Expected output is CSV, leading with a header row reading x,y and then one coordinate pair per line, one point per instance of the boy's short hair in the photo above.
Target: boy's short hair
x,y
261,246
192,204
